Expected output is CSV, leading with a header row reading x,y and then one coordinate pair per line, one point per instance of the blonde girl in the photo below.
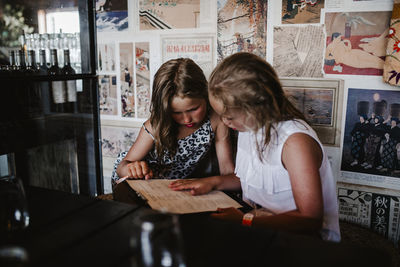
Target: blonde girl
x,y
281,166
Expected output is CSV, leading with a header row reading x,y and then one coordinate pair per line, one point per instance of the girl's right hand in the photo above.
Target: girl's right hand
x,y
139,170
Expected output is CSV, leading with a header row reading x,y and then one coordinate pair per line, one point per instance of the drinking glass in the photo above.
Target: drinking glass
x,y
14,218
157,240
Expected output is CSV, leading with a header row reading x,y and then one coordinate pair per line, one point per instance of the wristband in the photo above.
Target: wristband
x,y
247,219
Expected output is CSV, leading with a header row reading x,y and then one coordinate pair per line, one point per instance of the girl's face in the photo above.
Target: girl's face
x,y
189,112
235,119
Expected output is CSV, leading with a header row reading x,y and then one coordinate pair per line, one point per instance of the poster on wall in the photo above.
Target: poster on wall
x,y
301,11
199,49
117,139
106,57
298,51
111,16
373,208
172,14
320,100
371,143
108,94
356,42
126,79
143,89
241,27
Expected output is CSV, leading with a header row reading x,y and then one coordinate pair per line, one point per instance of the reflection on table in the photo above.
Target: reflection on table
x,y
71,230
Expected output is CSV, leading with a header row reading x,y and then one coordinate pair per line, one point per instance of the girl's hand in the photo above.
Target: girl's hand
x,y
139,169
196,186
229,214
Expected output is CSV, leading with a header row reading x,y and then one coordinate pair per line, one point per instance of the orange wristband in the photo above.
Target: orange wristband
x,y
247,219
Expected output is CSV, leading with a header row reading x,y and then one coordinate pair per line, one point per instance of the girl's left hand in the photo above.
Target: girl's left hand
x,y
229,214
196,186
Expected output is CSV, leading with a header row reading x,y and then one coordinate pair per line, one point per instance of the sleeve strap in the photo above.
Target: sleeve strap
x,y
144,127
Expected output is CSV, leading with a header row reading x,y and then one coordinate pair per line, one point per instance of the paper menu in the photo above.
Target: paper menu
x,y
160,197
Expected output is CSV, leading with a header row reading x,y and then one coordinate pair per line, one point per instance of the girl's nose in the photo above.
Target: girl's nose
x,y
187,118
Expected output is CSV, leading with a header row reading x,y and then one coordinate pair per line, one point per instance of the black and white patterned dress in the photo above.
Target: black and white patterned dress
x,y
191,149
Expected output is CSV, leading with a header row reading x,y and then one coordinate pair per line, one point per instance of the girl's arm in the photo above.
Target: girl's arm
x,y
223,146
306,187
132,165
205,185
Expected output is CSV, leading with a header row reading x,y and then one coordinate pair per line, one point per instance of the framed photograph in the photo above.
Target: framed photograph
x,y
320,100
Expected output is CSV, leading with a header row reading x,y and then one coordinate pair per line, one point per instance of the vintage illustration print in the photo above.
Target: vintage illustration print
x,y
356,42
316,104
370,208
372,135
111,16
320,102
117,139
108,94
241,27
126,77
106,57
199,49
172,14
298,51
143,89
301,11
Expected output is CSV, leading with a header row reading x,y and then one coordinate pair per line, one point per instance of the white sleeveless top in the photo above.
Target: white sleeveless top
x,y
267,183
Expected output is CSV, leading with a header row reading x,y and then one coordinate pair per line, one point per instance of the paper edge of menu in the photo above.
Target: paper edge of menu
x,y
160,197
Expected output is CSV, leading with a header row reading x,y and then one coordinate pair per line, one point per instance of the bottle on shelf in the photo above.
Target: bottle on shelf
x,y
57,87
45,45
12,59
42,68
70,85
20,61
31,67
36,46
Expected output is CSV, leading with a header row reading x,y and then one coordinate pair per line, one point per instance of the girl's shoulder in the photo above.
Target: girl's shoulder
x,y
147,127
215,119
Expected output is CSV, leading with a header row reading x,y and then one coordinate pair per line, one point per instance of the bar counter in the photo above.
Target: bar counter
x,y
75,230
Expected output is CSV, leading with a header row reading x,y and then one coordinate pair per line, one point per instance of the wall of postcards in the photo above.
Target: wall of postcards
x,y
329,54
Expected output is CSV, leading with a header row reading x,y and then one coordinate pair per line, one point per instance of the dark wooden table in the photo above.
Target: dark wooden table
x,y
73,230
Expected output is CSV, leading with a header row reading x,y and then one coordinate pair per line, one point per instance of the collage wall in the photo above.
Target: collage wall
x,y
329,54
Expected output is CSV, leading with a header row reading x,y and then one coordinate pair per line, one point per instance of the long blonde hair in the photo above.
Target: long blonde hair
x,y
247,82
176,77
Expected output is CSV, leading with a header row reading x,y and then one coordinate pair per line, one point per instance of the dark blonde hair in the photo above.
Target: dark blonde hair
x,y
176,77
247,82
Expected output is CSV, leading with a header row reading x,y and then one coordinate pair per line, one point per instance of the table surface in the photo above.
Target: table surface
x,y
71,230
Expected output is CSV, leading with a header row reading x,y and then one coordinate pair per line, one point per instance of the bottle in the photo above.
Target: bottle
x,y
12,60
31,67
45,45
36,46
57,87
42,68
20,61
70,85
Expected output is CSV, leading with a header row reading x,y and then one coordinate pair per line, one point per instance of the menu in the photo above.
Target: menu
x,y
160,197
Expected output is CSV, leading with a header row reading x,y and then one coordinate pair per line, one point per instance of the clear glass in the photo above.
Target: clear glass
x,y
14,218
157,240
